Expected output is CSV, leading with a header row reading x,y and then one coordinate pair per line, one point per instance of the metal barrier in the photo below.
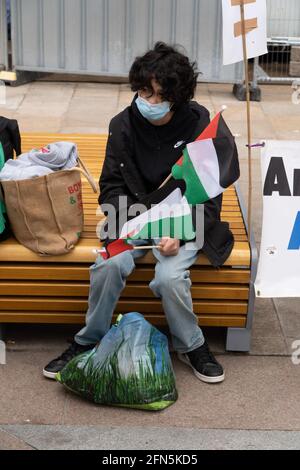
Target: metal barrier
x,y
102,37
3,36
282,63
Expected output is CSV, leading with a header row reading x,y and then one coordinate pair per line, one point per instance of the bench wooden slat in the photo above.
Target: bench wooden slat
x,y
149,306
89,232
239,237
13,251
90,197
92,221
92,204
237,321
231,212
138,290
69,272
91,229
234,224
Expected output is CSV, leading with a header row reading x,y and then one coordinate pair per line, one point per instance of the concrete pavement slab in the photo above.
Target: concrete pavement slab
x,y
103,90
98,119
80,129
267,335
261,128
293,345
41,124
258,393
12,102
31,337
19,90
269,346
7,112
279,108
275,93
25,395
221,91
11,442
50,90
107,103
289,315
37,109
282,127
152,438
202,89
235,111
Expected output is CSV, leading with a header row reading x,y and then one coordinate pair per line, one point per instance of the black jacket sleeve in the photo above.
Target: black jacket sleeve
x,y
111,182
13,129
10,137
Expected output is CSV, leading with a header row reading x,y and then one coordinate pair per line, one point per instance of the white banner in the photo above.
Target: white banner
x,y
256,27
279,262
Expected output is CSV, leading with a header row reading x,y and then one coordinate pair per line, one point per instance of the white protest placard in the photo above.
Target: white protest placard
x,y
255,26
279,261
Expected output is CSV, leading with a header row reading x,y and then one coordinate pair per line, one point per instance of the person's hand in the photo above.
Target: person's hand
x,y
169,246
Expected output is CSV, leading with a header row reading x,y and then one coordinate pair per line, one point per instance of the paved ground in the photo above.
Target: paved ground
x,y
258,404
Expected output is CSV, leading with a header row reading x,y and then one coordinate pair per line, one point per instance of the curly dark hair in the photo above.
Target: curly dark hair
x,y
174,72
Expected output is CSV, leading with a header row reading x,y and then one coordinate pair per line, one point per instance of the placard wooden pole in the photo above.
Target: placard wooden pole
x,y
249,136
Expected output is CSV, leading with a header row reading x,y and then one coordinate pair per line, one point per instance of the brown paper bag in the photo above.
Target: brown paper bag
x,y
46,213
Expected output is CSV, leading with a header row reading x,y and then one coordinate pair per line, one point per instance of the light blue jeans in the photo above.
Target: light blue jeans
x,y
171,283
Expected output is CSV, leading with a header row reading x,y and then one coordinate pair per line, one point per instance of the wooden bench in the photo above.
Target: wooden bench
x,y
54,289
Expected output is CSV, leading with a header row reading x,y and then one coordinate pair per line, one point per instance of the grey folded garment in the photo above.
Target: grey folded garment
x,y
39,162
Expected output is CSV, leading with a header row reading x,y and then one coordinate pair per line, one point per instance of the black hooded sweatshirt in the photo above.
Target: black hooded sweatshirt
x,y
157,148
139,156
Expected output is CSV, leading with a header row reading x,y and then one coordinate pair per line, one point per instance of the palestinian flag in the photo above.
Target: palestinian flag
x,y
114,248
209,164
170,218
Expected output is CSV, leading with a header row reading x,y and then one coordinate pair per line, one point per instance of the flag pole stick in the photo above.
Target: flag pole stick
x,y
165,181
249,136
146,247
170,175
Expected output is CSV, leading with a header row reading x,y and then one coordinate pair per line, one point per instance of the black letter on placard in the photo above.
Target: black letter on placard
x,y
297,182
276,169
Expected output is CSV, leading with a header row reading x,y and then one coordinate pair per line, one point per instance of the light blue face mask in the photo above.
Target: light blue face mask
x,y
152,112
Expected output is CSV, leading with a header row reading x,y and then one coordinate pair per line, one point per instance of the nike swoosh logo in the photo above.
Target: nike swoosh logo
x,y
178,144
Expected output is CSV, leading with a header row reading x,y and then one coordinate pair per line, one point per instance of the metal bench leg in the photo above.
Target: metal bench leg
x,y
2,331
238,339
2,346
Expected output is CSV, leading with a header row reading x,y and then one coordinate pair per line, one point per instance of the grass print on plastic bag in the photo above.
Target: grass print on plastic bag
x,y
131,367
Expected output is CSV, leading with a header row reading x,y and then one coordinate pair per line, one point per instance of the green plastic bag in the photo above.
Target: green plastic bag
x,y
131,367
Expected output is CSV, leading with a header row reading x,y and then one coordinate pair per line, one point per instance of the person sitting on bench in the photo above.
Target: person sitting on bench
x,y
145,141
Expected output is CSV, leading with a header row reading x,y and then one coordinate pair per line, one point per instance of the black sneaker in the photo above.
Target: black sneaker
x,y
59,363
204,364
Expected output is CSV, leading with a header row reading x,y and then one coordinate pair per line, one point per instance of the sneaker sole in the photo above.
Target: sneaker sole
x,y
49,375
204,378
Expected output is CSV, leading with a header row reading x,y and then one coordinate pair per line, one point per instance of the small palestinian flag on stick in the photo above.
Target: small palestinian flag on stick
x,y
209,164
171,217
118,246
114,248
